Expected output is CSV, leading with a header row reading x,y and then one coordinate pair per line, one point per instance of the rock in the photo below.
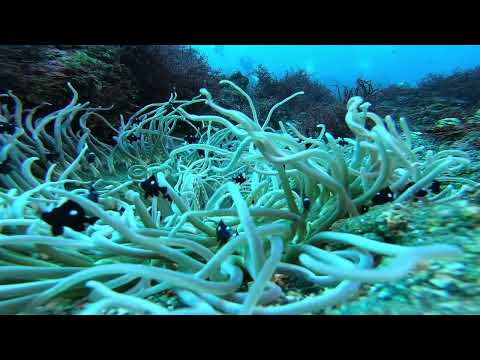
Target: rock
x,y
445,282
385,294
117,311
453,306
472,290
475,118
290,298
433,292
447,122
455,268
472,213
122,311
473,248
446,213
401,288
421,277
411,281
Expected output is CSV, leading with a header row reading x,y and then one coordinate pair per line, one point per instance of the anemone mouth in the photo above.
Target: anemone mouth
x,y
216,224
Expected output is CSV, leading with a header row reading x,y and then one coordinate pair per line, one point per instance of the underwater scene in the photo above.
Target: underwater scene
x,y
239,180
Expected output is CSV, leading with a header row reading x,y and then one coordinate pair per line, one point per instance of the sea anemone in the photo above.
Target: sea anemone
x,y
166,217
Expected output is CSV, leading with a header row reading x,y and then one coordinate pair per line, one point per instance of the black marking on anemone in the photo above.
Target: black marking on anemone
x,y
91,158
190,139
150,186
136,121
5,167
132,138
69,214
223,233
435,187
93,195
306,203
383,196
52,156
363,209
239,179
164,191
421,193
7,128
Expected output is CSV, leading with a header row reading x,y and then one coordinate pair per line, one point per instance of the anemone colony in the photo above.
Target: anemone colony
x,y
111,225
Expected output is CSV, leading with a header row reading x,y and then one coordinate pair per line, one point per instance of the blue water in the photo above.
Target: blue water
x,y
343,64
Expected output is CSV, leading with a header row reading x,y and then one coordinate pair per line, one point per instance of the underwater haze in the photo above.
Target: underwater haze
x,y
343,64
153,180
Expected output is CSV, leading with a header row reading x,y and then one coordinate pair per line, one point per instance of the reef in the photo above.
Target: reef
x,y
436,97
37,74
216,221
437,287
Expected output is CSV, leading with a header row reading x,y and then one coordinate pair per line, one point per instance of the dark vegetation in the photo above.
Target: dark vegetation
x,y
436,97
132,76
39,74
454,131
318,104
461,85
160,69
364,88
